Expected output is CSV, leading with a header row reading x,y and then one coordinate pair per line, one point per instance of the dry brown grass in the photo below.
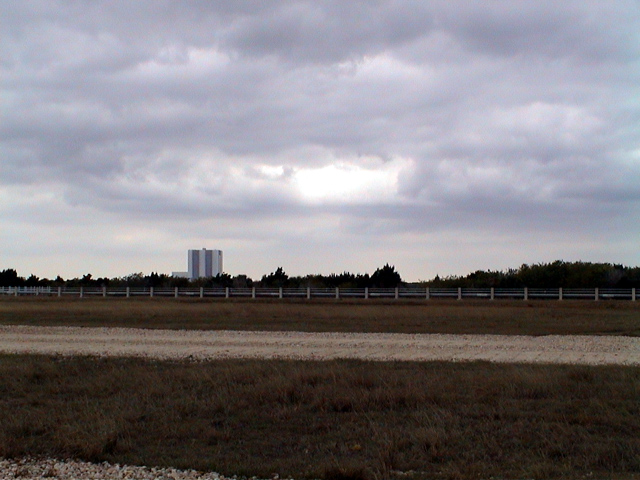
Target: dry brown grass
x,y
333,420
434,316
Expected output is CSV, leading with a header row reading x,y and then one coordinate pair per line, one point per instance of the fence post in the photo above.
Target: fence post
x,y
253,292
150,292
280,293
16,291
526,294
308,293
226,292
128,292
175,293
81,292
560,293
493,293
337,292
366,293
104,291
597,295
201,292
59,291
633,294
427,294
459,293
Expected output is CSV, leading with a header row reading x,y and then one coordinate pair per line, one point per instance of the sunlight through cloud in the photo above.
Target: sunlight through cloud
x,y
346,182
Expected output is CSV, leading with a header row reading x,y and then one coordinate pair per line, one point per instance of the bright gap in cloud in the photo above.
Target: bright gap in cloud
x,y
346,182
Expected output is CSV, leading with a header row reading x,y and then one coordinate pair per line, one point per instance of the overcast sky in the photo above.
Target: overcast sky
x,y
321,136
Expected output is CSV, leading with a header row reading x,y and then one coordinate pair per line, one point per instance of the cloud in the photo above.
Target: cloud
x,y
296,122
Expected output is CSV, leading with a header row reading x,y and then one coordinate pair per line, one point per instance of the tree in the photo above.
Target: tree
x,y
137,279
275,279
10,278
154,280
32,281
242,281
386,277
221,280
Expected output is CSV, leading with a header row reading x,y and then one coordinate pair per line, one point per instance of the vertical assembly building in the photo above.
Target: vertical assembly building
x,y
204,263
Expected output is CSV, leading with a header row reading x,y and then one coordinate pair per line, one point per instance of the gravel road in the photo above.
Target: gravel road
x,y
176,344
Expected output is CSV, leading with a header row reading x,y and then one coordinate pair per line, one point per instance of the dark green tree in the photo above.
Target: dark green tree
x,y
221,280
32,281
275,279
242,281
10,278
386,277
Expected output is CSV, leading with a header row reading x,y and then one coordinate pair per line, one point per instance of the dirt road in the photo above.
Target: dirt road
x,y
174,344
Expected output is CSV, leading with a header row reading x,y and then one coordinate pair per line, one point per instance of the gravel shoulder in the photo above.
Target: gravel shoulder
x,y
202,345
50,469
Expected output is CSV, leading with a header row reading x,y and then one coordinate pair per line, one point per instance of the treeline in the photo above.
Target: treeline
x,y
384,277
544,275
548,275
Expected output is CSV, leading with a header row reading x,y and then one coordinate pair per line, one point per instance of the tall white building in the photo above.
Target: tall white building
x,y
204,263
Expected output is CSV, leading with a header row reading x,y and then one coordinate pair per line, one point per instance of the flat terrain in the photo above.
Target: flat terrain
x,y
205,345
338,419
192,403
372,316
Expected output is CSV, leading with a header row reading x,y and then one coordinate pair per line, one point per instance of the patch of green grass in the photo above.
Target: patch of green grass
x,y
402,316
334,420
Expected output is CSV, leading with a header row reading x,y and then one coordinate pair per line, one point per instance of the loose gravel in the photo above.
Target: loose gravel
x,y
49,469
203,345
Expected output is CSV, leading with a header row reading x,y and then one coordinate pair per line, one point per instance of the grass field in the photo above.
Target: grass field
x,y
332,420
336,420
473,317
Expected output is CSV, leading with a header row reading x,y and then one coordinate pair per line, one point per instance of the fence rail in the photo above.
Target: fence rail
x,y
337,293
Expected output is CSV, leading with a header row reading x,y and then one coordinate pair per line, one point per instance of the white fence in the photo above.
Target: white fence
x,y
337,293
